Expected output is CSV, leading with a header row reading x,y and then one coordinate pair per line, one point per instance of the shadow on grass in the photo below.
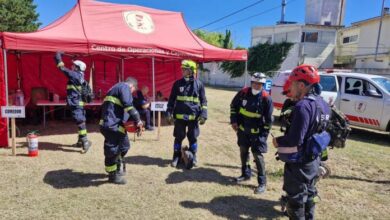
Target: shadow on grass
x,y
56,147
58,128
370,136
222,166
203,175
237,207
147,161
360,179
67,178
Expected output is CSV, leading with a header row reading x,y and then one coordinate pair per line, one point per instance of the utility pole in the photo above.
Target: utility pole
x,y
283,11
379,31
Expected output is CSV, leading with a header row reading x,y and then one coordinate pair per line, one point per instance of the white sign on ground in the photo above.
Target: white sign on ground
x,y
13,112
159,106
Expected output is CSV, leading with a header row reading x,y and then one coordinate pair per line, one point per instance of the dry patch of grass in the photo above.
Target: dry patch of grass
x,y
64,184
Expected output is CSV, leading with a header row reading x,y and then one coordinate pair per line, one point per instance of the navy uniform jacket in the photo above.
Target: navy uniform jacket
x,y
139,100
117,101
188,100
304,122
73,88
252,113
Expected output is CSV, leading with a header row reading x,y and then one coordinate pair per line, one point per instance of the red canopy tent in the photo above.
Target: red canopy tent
x,y
115,41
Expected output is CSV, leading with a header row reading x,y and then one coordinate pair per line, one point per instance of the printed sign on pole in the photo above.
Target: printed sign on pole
x,y
13,112
268,85
159,106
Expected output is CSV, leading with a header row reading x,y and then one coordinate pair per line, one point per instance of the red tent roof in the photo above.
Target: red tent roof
x,y
97,27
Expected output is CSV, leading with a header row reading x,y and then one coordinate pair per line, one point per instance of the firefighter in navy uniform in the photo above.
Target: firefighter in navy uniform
x,y
295,148
251,117
74,99
187,107
117,103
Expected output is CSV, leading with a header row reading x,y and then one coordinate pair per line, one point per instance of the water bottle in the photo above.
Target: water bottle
x,y
19,98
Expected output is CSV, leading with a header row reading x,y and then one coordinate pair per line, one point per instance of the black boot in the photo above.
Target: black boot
x,y
121,167
176,158
246,174
260,189
116,178
86,145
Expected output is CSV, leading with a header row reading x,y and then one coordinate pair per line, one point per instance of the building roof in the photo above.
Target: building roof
x,y
369,20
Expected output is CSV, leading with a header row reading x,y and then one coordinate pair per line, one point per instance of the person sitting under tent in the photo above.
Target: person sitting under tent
x,y
142,104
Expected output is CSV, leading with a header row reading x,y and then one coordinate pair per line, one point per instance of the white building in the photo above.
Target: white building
x,y
313,44
356,46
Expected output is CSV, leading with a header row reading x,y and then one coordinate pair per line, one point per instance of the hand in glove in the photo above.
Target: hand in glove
x,y
58,57
235,126
170,118
202,121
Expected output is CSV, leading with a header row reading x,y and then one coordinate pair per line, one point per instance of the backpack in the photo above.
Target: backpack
x,y
86,92
338,128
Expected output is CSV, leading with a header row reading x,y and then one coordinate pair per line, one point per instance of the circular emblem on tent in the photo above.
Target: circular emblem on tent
x,y
139,21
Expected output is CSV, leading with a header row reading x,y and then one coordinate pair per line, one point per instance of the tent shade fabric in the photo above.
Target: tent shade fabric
x,y
93,27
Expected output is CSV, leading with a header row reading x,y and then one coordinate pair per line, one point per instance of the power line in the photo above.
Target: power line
x,y
250,17
226,16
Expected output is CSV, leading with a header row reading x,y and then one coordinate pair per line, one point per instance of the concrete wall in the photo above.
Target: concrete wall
x,y
345,52
216,77
290,33
321,11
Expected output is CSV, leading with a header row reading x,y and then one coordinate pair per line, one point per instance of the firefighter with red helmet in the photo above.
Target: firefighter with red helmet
x,y
298,148
251,117
74,98
187,107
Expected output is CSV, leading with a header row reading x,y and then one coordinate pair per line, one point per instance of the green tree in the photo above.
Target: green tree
x,y
18,16
261,58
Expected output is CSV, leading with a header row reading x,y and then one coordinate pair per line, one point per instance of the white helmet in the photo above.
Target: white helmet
x,y
258,77
82,66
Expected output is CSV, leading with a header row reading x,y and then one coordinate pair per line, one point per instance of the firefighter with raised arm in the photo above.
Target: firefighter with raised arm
x,y
74,100
187,107
251,117
303,143
117,102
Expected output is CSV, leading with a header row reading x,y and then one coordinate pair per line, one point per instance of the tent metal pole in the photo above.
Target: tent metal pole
x,y
122,70
6,84
154,90
246,73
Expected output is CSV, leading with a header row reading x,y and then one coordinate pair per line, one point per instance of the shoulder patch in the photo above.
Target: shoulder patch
x,y
264,93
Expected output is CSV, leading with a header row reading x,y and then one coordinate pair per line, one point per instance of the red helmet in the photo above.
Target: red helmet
x,y
306,73
286,88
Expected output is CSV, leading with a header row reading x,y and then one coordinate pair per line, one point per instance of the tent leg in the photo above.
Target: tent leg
x,y
154,90
246,73
6,85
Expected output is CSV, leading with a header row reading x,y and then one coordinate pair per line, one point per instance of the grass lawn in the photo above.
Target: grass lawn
x,y
61,183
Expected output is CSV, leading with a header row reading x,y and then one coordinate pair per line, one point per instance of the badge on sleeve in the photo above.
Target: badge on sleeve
x,y
181,89
244,102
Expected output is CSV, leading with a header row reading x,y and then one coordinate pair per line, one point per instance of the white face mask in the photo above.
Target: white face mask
x,y
255,91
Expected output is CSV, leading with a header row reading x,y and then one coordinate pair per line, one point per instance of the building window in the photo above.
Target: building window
x,y
350,39
309,37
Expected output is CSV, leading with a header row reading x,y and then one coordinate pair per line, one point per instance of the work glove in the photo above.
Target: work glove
x,y
58,56
170,118
139,128
235,126
202,121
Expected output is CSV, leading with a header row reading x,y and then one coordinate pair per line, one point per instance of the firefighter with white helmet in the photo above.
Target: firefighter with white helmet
x,y
251,117
74,98
187,107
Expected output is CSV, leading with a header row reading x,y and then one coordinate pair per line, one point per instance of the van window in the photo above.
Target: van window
x,y
328,83
353,86
383,82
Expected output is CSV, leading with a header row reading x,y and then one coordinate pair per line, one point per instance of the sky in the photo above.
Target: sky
x,y
198,13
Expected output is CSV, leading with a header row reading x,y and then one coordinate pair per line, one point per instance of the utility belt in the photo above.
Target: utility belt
x,y
249,130
314,147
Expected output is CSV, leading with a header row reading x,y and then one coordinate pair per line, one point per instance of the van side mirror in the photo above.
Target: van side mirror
x,y
373,93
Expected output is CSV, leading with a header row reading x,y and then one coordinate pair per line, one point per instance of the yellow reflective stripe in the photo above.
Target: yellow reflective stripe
x,y
187,99
249,114
81,103
324,153
61,64
72,87
253,130
122,129
129,108
114,100
267,127
204,107
181,116
111,168
83,132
